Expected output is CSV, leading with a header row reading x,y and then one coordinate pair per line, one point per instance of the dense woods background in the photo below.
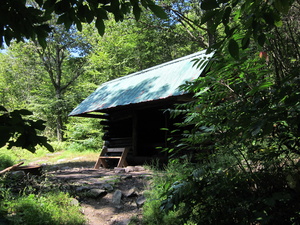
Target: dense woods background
x,y
245,118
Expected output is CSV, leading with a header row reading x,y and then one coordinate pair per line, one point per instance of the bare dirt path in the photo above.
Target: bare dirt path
x,y
106,196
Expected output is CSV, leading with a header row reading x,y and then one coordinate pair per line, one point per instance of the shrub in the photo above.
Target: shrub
x,y
5,161
51,208
152,213
221,192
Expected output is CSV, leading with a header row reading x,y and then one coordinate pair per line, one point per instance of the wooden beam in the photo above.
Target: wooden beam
x,y
90,115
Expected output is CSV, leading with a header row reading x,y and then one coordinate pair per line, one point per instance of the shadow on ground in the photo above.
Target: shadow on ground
x,y
96,190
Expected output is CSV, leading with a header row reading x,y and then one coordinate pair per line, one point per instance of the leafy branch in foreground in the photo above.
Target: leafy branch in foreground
x,y
20,132
256,18
21,20
247,107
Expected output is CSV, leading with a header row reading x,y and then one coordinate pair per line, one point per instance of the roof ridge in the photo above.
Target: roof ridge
x,y
193,55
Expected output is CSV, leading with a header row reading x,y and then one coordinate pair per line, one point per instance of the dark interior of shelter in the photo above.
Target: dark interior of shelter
x,y
142,130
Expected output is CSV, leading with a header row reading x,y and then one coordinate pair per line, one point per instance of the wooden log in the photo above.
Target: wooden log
x,y
11,168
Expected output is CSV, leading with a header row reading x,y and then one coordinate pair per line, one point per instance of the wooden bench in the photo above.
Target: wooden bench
x,y
112,153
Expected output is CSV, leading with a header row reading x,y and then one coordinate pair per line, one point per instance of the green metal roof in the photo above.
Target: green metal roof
x,y
158,82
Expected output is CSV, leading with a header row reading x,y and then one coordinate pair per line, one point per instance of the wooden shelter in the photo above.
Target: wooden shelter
x,y
134,108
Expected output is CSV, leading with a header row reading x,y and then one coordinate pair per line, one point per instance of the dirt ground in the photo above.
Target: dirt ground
x,y
102,209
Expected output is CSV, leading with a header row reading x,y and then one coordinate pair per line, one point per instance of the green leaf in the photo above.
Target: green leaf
x,y
79,25
233,49
39,124
282,6
269,18
5,135
158,11
100,26
49,5
208,15
23,112
61,19
226,15
245,42
136,11
209,4
229,31
262,86
89,15
62,7
101,13
48,146
261,39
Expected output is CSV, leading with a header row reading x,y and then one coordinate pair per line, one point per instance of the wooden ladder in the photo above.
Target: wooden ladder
x,y
112,153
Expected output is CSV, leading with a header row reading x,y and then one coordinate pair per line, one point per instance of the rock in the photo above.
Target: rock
x,y
125,177
61,160
140,201
95,192
74,202
108,187
139,168
119,170
116,198
132,192
129,169
81,188
65,168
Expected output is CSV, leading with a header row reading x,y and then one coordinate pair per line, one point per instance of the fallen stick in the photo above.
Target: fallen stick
x,y
11,168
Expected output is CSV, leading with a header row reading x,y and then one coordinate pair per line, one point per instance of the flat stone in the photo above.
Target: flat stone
x,y
82,188
132,192
140,201
139,168
95,192
119,170
116,198
108,187
129,169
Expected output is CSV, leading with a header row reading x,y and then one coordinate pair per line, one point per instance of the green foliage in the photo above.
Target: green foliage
x,y
84,134
30,199
51,208
162,181
20,132
219,192
32,21
255,18
5,161
243,127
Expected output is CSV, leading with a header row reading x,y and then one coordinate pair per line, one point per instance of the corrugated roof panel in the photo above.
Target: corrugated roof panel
x,y
158,82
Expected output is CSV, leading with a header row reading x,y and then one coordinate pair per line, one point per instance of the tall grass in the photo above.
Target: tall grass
x,y
49,208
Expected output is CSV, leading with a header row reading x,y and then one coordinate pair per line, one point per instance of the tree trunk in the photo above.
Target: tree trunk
x,y
59,118
59,128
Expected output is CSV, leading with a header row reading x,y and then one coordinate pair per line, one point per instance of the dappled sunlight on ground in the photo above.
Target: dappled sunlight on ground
x,y
75,174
